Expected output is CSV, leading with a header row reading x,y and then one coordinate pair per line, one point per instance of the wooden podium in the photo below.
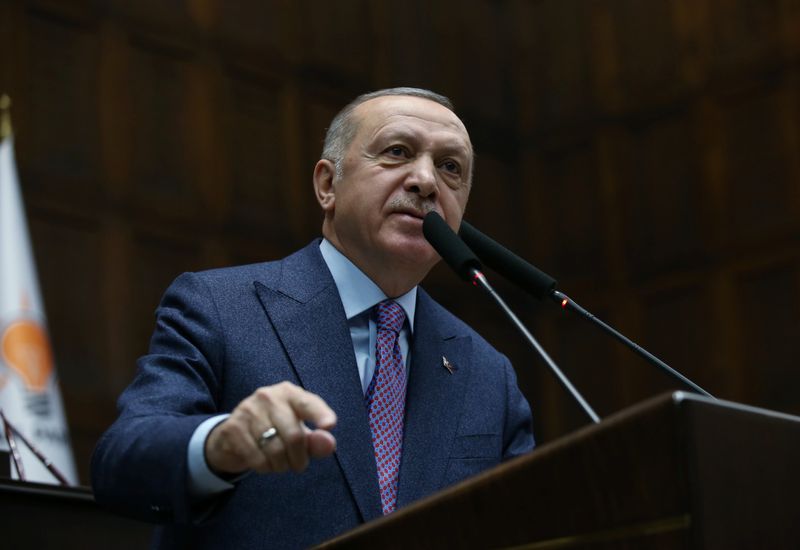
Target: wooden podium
x,y
36,516
678,471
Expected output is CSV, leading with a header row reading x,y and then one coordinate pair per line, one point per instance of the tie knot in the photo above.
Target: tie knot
x,y
390,316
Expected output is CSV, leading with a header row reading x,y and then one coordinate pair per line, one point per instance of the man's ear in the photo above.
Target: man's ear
x,y
324,173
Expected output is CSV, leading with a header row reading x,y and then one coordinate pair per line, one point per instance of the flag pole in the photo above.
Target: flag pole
x,y
5,117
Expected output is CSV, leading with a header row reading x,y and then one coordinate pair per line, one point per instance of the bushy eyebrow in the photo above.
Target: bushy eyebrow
x,y
409,136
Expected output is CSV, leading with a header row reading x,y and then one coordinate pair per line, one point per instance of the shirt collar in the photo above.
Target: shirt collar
x,y
357,291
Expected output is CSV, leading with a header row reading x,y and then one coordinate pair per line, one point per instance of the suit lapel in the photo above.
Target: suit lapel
x,y
434,401
307,314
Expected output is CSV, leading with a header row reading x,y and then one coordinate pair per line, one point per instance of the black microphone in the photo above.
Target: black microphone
x,y
453,251
542,285
508,264
464,262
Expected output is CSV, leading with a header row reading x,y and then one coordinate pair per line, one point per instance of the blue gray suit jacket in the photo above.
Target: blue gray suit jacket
x,y
221,334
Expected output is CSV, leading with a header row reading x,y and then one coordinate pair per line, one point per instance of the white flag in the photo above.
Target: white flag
x,y
29,394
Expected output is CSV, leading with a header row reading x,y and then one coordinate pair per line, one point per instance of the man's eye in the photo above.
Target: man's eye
x,y
397,151
451,166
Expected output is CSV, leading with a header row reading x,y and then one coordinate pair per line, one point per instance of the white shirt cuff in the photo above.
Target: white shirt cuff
x,y
202,481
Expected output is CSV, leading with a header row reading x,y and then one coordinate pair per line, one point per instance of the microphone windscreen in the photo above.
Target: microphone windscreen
x,y
449,246
508,264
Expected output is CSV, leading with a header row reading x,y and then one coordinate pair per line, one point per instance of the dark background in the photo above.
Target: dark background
x,y
644,152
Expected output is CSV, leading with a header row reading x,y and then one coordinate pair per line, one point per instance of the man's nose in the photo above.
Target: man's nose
x,y
422,178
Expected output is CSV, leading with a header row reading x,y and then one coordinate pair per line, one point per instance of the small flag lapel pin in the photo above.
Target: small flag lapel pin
x,y
448,365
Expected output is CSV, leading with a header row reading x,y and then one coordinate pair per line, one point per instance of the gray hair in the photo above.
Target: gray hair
x,y
344,126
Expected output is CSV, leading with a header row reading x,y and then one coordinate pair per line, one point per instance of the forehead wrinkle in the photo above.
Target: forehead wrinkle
x,y
454,122
451,144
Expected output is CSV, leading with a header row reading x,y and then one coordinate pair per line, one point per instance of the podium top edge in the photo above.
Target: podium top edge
x,y
679,397
45,489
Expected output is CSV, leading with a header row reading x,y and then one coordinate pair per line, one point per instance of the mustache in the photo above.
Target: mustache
x,y
418,204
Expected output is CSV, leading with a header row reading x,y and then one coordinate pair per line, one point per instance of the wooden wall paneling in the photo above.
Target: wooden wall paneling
x,y
381,73
115,121
116,128
562,61
117,300
304,218
203,141
663,198
609,144
161,170
409,52
253,141
441,52
770,299
525,84
9,22
204,14
273,211
608,86
677,330
69,258
789,127
575,213
693,41
165,17
710,132
58,133
495,203
265,27
646,40
792,125
790,29
745,36
536,240
481,79
729,374
13,61
336,40
759,166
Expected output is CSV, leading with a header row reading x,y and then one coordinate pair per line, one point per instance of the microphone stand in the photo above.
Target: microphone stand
x,y
10,431
467,266
479,279
539,284
569,304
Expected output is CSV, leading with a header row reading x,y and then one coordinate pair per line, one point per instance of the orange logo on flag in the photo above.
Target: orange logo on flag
x,y
26,349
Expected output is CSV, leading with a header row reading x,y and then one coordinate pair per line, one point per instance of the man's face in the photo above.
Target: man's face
x,y
410,156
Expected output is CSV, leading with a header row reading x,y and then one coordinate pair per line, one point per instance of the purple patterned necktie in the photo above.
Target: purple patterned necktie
x,y
386,399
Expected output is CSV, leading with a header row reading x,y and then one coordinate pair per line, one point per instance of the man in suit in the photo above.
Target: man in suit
x,y
286,402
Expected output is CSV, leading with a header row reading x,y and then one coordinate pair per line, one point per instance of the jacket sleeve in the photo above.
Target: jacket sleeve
x,y
139,467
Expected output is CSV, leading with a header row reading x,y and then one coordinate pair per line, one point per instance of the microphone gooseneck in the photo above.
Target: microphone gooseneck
x,y
542,285
464,262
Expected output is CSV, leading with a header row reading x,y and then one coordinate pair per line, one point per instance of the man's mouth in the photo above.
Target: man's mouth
x,y
410,213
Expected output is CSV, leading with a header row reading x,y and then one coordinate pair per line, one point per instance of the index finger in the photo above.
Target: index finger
x,y
311,407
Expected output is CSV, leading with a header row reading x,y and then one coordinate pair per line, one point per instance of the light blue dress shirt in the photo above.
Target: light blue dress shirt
x,y
359,296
